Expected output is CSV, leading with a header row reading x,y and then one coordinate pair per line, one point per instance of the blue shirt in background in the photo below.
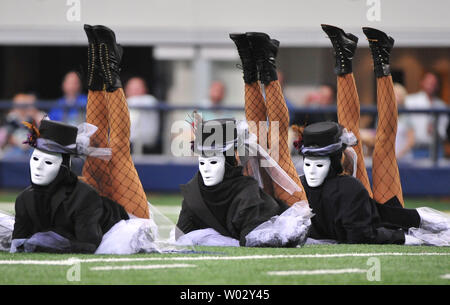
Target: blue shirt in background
x,y
72,114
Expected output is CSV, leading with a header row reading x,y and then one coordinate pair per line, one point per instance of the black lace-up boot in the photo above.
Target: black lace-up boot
x,y
380,47
344,45
245,53
93,78
265,52
110,55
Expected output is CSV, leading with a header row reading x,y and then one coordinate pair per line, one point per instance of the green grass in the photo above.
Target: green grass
x,y
176,199
166,199
394,269
442,205
401,269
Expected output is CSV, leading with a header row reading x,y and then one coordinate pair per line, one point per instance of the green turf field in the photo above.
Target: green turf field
x,y
397,265
324,264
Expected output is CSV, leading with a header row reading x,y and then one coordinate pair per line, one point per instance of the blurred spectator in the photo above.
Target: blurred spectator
x,y
14,133
69,110
145,124
323,97
447,141
405,139
423,125
217,92
289,104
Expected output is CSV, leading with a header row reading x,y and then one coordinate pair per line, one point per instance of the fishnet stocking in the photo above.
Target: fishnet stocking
x,y
96,171
277,112
348,116
255,107
385,174
128,190
255,112
117,178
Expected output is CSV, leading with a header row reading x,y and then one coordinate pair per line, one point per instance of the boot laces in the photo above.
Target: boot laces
x,y
338,51
379,54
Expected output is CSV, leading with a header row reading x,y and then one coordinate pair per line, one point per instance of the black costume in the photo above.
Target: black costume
x,y
75,211
236,205
345,212
343,209
233,208
67,206
343,205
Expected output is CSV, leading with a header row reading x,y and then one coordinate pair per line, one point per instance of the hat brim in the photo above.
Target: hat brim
x,y
53,147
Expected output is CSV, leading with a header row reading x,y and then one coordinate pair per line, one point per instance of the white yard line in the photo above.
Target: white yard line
x,y
141,267
315,272
446,276
71,261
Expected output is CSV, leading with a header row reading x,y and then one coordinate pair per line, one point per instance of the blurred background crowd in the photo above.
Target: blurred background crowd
x,y
198,70
416,134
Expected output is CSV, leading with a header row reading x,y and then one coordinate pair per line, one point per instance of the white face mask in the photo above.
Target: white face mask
x,y
44,167
212,169
316,170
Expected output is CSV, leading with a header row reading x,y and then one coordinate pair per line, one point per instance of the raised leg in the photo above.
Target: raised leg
x,y
255,111
265,52
348,116
96,171
344,48
278,113
256,116
255,107
125,182
385,173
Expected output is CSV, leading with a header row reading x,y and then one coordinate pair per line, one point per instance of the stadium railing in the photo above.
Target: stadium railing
x,y
165,108
425,177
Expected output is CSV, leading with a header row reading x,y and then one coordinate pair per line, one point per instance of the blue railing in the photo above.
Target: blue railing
x,y
162,106
166,108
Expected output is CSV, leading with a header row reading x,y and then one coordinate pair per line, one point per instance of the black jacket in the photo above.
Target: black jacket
x,y
78,213
249,207
345,212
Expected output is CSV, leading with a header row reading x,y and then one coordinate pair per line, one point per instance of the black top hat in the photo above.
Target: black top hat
x,y
322,134
54,136
322,139
58,132
216,136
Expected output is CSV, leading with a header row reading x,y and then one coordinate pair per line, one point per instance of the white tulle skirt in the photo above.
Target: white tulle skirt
x,y
286,230
135,235
434,229
157,234
291,228
207,237
6,229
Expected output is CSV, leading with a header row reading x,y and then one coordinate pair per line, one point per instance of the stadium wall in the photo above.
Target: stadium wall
x,y
416,181
159,22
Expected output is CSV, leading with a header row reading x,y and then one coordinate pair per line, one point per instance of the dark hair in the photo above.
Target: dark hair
x,y
66,160
231,160
336,164
437,91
